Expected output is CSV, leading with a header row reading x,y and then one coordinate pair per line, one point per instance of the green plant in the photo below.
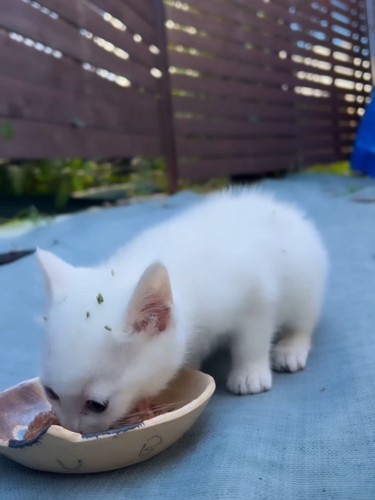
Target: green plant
x,y
338,168
56,177
148,175
30,214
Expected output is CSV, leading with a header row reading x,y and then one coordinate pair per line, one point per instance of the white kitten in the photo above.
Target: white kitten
x,y
240,266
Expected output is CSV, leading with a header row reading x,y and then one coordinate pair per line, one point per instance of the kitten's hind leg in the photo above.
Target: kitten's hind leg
x,y
250,347
291,351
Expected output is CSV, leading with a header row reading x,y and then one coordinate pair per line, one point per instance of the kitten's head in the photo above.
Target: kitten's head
x,y
108,344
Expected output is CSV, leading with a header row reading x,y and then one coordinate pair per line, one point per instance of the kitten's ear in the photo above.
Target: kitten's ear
x,y
56,272
149,309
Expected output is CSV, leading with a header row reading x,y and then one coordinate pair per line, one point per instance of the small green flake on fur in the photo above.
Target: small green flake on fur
x,y
112,272
87,314
99,298
108,328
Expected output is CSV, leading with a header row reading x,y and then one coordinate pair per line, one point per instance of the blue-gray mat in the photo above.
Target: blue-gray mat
x,y
311,437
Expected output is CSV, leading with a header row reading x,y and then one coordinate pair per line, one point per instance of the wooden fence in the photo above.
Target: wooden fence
x,y
218,87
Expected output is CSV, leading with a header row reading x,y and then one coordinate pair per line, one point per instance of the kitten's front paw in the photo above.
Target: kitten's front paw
x,y
250,381
288,357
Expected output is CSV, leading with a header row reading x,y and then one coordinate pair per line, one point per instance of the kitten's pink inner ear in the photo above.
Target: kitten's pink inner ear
x,y
150,307
56,272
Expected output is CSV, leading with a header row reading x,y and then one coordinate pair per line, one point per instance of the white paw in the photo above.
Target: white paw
x,y
250,381
289,357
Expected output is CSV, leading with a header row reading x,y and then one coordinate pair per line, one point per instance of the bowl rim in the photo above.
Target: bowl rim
x,y
75,437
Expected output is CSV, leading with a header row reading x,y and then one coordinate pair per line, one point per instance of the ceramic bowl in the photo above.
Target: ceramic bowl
x,y
56,449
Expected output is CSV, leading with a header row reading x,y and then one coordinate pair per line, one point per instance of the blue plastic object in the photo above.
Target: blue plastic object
x,y
363,156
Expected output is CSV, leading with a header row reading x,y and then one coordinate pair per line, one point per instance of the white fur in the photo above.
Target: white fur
x,y
240,265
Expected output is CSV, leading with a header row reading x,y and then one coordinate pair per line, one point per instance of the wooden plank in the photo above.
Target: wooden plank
x,y
308,140
347,138
308,12
232,107
255,56
32,23
19,62
67,141
206,148
319,103
308,52
28,101
214,86
222,29
306,37
313,105
231,128
310,19
200,169
86,16
302,5
345,24
316,148
124,12
310,127
229,69
333,72
230,49
305,103
143,9
271,9
325,156
245,12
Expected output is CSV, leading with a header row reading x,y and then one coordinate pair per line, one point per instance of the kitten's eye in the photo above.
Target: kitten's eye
x,y
51,394
96,406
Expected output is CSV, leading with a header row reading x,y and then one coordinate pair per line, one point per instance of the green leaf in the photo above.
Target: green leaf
x,y
17,178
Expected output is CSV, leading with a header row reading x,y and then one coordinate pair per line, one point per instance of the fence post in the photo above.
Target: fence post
x,y
166,117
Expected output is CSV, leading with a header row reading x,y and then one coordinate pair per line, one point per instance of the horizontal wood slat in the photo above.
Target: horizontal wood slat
x,y
232,108
228,128
20,63
26,141
245,17
86,16
214,86
124,12
228,69
229,49
30,22
32,102
200,169
143,8
206,148
215,27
